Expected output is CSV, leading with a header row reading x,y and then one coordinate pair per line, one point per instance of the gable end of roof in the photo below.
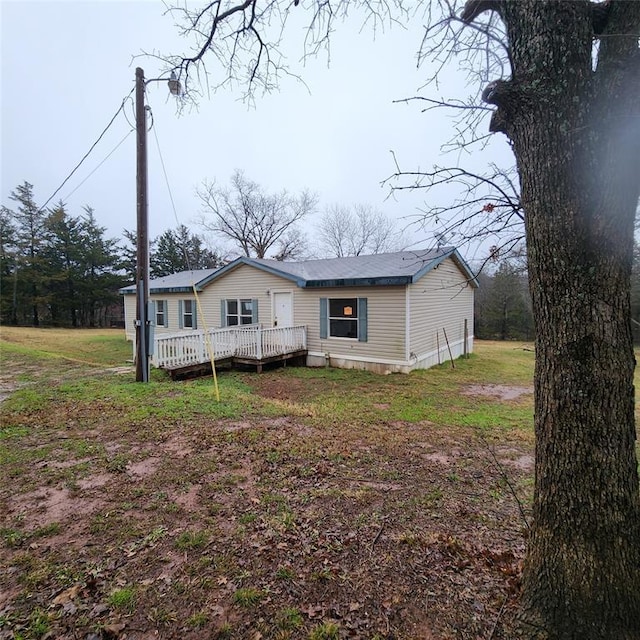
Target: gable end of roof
x,y
458,261
256,265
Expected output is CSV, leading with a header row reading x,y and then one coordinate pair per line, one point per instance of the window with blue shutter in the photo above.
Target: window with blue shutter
x,y
344,318
237,312
324,318
362,320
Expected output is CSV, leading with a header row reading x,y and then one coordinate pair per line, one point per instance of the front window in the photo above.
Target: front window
x,y
239,312
188,312
343,318
161,313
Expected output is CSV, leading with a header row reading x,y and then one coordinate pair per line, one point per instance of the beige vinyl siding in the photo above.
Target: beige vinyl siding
x,y
246,282
129,316
443,298
385,324
386,311
172,312
207,301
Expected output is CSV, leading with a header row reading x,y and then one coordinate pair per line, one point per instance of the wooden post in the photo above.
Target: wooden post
x,y
453,366
259,345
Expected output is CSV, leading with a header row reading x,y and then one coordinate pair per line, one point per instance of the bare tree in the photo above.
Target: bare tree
x,y
253,220
486,212
564,87
292,245
358,230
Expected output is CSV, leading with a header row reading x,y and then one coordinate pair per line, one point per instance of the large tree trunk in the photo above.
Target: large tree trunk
x,y
576,141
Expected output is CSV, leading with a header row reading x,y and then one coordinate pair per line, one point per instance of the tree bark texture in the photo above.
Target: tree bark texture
x,y
575,131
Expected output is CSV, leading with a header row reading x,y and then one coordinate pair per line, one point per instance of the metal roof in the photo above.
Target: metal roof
x,y
176,282
382,269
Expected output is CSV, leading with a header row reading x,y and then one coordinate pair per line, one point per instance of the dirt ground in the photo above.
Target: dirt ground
x,y
264,528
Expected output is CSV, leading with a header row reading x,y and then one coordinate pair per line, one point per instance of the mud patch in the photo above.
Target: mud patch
x,y
522,463
46,506
501,391
94,482
178,446
440,457
231,427
190,499
144,468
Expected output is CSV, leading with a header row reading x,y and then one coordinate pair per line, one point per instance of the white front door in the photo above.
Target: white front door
x,y
282,309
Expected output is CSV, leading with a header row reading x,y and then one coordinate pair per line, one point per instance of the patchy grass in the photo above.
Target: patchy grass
x,y
247,597
122,600
192,540
308,503
92,347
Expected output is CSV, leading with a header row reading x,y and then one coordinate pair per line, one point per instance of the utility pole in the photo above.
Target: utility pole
x,y
143,319
142,236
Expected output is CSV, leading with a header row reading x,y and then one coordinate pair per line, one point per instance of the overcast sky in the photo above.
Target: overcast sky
x,y
66,67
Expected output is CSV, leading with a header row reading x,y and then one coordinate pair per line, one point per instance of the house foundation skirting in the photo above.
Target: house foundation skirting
x,y
384,366
316,359
441,356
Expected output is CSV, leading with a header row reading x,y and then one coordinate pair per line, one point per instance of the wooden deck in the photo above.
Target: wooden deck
x,y
189,353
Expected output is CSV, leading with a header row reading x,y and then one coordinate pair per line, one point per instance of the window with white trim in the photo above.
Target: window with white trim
x,y
161,313
343,318
188,318
239,312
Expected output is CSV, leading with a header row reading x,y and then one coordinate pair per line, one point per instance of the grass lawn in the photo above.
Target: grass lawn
x,y
307,503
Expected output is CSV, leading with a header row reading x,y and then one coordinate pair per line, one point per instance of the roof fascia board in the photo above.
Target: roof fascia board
x,y
126,291
466,269
358,282
175,290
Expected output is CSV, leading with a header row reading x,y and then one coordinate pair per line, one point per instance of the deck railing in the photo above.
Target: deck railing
x,y
251,342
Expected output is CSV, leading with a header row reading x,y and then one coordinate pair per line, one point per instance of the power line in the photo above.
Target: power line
x,y
86,155
101,163
173,204
207,337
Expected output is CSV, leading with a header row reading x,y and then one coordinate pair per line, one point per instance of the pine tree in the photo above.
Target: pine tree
x,y
29,221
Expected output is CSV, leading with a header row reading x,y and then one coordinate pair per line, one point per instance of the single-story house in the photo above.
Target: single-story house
x,y
390,312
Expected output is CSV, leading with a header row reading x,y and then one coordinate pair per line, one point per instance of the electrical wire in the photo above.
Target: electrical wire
x,y
207,337
166,179
93,146
103,161
133,109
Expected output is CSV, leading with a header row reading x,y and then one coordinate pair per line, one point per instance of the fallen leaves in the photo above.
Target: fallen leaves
x,y
340,535
67,595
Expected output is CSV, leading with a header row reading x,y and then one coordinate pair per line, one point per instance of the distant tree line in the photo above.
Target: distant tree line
x,y
503,304
57,269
